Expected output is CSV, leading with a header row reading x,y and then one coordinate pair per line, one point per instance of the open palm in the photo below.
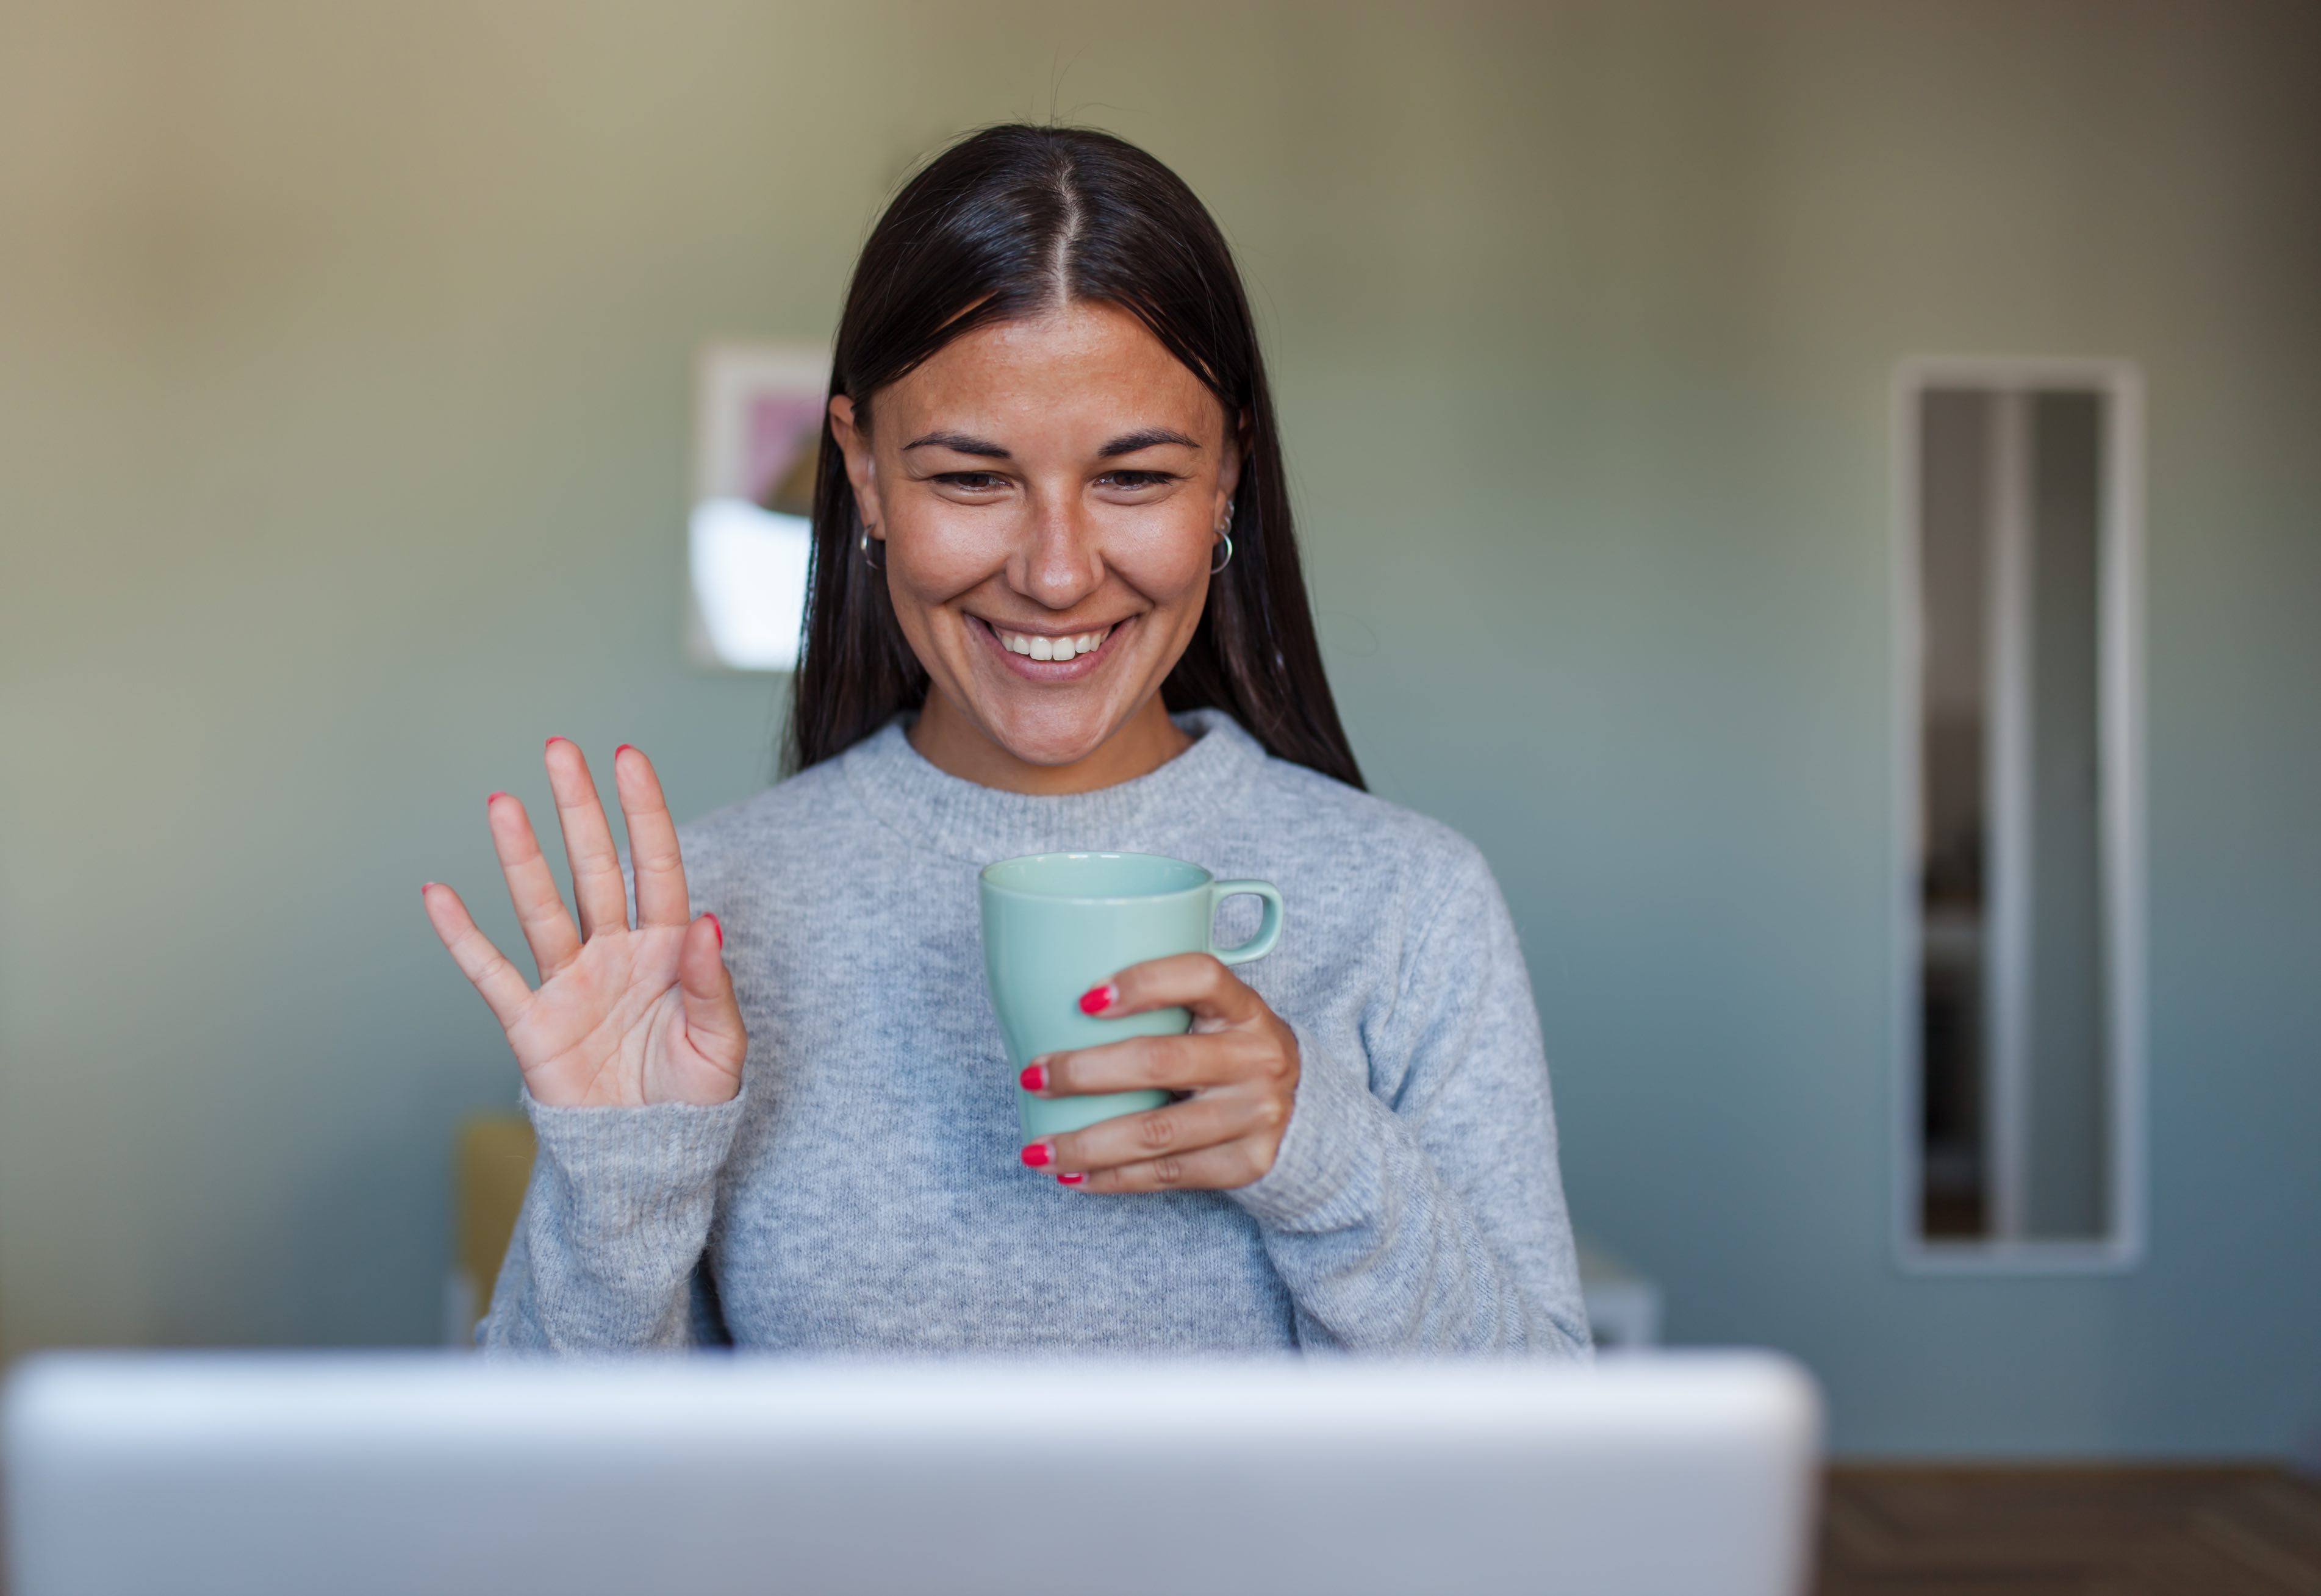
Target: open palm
x,y
624,1014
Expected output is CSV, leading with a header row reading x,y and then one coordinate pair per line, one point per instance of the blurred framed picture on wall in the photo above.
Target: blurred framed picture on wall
x,y
757,428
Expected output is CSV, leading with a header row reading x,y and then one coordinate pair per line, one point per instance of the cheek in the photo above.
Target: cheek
x,y
1164,556
938,552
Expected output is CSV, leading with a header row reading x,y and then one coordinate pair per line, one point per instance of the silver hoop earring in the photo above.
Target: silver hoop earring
x,y
1216,565
876,562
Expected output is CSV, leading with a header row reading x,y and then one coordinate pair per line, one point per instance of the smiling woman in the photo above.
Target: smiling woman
x,y
1055,605
1058,344
1050,520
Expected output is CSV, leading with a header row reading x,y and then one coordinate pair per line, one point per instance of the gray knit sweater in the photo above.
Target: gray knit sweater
x,y
864,1191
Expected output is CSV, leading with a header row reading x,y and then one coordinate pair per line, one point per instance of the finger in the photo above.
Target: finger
x,y
597,889
1140,1063
712,1020
548,930
652,841
1211,1169
500,983
1181,1129
1195,980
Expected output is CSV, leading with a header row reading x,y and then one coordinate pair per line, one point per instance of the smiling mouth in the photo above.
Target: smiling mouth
x,y
1041,646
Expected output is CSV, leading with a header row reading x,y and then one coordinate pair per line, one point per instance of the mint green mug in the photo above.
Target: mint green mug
x,y
1055,925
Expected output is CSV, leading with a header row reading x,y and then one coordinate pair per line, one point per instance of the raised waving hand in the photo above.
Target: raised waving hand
x,y
624,1014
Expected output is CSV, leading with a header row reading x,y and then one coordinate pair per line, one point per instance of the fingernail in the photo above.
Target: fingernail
x,y
1034,1078
1069,1180
493,799
717,928
1095,1000
423,886
552,741
1039,1154
623,748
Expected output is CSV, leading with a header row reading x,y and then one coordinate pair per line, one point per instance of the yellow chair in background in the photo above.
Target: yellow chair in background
x,y
491,1165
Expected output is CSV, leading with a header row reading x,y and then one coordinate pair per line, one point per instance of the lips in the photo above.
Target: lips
x,y
1051,657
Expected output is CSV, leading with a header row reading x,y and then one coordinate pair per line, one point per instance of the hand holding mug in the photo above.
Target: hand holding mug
x,y
624,1014
1239,1061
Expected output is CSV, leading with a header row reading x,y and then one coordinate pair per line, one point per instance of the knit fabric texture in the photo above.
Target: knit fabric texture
x,y
865,1192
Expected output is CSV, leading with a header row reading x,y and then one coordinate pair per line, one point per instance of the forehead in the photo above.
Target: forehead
x,y
1080,374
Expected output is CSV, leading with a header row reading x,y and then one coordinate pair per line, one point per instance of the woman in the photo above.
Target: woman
x,y
776,1110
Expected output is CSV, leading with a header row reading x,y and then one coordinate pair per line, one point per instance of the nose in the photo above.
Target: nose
x,y
1059,564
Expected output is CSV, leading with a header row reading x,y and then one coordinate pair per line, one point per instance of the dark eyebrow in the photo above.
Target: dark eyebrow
x,y
959,442
1131,442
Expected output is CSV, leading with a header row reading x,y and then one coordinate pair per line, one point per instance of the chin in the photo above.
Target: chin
x,y
1053,735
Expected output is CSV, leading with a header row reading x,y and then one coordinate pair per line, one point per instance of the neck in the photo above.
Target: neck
x,y
949,739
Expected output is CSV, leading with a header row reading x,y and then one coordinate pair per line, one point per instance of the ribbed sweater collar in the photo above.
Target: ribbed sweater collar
x,y
977,824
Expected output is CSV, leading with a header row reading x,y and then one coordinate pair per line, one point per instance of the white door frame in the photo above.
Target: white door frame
x,y
2120,643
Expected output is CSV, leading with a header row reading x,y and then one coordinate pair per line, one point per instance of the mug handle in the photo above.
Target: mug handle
x,y
1269,928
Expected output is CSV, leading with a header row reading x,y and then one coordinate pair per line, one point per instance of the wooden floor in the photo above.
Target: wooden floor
x,y
2070,1531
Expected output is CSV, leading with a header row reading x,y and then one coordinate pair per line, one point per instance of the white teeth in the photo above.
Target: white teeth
x,y
1036,647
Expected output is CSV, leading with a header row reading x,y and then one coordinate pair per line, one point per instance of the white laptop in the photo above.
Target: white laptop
x,y
190,1474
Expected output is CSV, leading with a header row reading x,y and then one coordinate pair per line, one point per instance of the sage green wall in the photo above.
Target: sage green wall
x,y
345,378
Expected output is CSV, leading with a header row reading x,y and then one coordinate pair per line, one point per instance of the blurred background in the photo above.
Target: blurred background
x,y
347,373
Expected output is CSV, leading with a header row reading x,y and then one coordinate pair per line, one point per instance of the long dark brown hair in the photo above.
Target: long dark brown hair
x,y
1006,224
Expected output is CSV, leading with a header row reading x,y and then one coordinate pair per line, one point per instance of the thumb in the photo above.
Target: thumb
x,y
712,1020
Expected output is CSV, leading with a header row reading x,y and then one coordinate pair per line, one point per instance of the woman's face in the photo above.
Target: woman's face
x,y
1048,493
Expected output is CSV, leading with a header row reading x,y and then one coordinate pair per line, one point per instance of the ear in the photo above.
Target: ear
x,y
1229,461
854,443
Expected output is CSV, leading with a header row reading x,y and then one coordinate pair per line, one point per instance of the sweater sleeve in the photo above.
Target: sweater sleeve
x,y
1415,1204
608,1248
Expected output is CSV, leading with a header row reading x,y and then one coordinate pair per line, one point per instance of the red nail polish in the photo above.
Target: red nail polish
x,y
552,741
1095,1000
423,886
1039,1154
623,748
717,928
493,798
1034,1078
1069,1180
